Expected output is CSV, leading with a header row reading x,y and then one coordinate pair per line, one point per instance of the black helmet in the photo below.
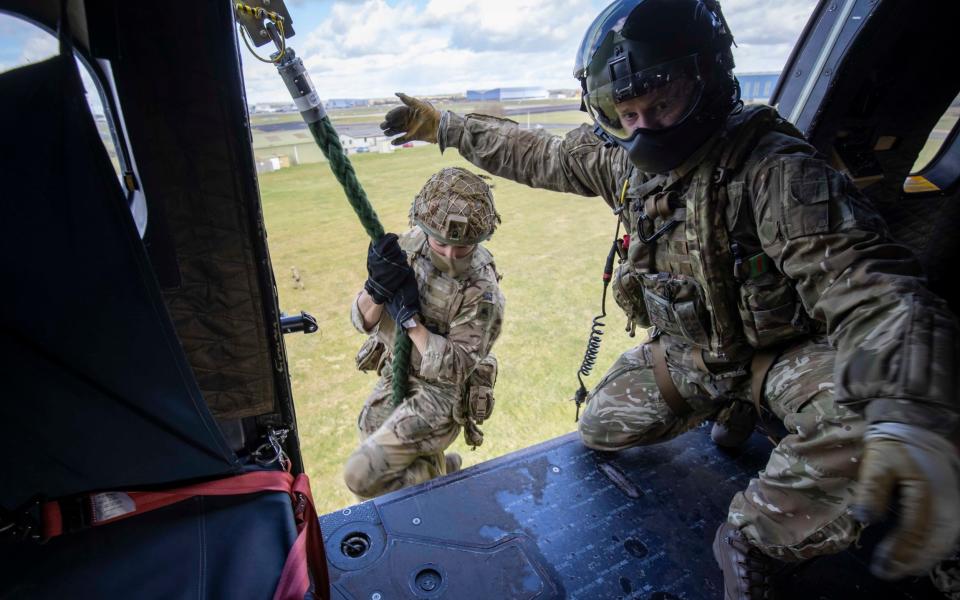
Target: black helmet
x,y
671,55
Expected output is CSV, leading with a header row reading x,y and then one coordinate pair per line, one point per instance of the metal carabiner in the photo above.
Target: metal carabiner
x,y
271,451
659,233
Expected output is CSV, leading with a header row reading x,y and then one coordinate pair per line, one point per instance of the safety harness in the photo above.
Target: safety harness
x,y
712,218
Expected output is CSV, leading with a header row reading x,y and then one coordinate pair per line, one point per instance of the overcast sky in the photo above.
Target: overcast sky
x,y
373,48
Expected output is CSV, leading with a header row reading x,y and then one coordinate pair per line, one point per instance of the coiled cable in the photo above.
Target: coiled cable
x,y
598,323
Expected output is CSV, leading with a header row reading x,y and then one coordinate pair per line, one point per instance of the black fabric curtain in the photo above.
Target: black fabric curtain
x,y
95,391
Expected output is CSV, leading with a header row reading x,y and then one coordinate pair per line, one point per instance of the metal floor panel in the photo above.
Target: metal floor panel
x,y
557,520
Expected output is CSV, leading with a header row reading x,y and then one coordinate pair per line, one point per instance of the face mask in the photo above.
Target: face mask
x,y
454,267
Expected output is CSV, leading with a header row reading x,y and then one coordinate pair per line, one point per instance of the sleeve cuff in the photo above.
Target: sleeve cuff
x,y
431,359
357,318
937,419
450,130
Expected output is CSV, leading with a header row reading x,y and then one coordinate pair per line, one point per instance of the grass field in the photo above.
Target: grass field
x,y
550,249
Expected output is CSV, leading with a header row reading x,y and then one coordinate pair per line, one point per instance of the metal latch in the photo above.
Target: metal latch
x,y
303,322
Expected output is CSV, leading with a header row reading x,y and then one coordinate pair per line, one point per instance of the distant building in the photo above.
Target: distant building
x,y
272,107
346,102
277,145
757,87
507,93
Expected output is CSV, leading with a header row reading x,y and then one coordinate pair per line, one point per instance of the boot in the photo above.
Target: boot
x,y
453,462
734,425
946,577
747,572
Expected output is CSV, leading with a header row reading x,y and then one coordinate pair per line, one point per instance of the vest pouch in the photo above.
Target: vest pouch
x,y
628,294
771,311
478,401
675,305
370,355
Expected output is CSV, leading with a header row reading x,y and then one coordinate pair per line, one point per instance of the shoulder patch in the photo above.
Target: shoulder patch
x,y
487,307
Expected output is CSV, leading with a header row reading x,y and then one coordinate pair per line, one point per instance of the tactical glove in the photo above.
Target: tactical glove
x,y
406,301
386,268
924,468
417,120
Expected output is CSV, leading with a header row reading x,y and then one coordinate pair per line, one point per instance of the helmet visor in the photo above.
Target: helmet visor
x,y
652,99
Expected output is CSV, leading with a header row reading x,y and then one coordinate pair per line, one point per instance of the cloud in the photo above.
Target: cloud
x,y
372,48
533,26
767,22
23,43
39,46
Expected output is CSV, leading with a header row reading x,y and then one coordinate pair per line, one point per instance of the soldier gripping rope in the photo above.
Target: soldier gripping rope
x,y
767,280
442,285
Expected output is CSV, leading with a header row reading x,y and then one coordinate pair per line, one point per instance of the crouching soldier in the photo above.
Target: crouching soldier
x,y
442,286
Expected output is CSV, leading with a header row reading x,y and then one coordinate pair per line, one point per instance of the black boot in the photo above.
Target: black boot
x,y
734,425
747,572
946,577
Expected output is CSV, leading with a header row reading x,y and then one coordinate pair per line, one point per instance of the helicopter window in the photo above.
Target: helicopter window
x,y
23,43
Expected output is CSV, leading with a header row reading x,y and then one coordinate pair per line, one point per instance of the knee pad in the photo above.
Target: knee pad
x,y
359,476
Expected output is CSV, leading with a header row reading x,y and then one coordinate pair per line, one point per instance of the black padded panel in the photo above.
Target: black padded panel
x,y
180,89
561,521
213,547
96,390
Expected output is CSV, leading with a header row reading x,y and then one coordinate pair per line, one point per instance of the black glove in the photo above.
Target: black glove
x,y
405,302
386,268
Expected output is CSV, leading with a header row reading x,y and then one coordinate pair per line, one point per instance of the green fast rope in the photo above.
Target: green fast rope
x,y
328,140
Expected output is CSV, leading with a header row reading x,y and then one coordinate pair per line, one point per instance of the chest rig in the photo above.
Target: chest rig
x,y
441,296
695,269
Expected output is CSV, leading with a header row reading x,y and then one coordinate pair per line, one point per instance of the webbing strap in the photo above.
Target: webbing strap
x,y
306,556
759,367
108,507
661,374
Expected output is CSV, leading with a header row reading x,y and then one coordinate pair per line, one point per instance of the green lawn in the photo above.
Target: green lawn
x,y
550,249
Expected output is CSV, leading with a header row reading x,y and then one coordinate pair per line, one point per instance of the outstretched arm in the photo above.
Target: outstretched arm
x,y
578,163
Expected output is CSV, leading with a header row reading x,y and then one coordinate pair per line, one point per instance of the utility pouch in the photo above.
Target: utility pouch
x,y
771,311
370,355
628,294
675,305
479,394
477,402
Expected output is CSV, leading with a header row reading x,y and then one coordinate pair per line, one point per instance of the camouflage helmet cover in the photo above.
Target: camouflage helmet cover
x,y
455,207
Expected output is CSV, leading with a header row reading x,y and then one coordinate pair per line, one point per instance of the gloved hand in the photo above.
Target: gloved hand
x,y
924,468
417,120
386,268
406,301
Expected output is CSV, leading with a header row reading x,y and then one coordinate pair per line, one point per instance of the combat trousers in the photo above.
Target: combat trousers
x,y
401,447
797,507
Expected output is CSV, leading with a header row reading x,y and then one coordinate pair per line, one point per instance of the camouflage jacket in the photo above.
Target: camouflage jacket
x,y
896,342
464,316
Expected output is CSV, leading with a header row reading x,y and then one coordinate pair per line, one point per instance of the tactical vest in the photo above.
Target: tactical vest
x,y
706,280
441,296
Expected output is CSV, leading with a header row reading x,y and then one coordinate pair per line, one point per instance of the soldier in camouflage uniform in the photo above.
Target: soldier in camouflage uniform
x,y
443,287
766,278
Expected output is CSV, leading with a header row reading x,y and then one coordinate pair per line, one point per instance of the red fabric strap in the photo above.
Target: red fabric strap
x,y
141,502
307,554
